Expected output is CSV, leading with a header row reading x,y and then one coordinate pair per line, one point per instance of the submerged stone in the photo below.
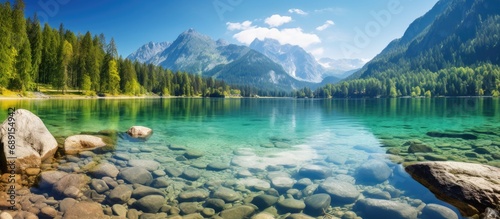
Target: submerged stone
x,y
434,211
465,136
317,204
341,192
373,172
375,208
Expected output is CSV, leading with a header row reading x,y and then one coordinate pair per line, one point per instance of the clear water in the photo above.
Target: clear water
x,y
314,129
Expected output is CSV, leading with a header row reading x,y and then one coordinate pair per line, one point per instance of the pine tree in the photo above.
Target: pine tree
x,y
35,38
114,77
7,51
20,41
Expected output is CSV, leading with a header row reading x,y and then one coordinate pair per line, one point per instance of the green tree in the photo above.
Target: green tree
x,y
114,77
66,54
35,38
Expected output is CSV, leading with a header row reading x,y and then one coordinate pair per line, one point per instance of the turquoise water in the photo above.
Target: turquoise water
x,y
242,132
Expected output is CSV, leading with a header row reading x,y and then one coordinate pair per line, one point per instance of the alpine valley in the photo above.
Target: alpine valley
x,y
265,64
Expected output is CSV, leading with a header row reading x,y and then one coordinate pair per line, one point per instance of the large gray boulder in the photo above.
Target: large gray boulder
x,y
472,188
375,208
78,143
33,141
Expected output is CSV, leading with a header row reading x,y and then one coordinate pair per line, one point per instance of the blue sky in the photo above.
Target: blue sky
x,y
325,28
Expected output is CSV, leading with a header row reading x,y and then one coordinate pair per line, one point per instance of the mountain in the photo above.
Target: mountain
x,y
452,50
454,33
296,61
148,51
196,53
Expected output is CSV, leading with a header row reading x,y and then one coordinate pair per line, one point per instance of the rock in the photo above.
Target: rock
x,y
143,191
472,188
226,194
119,210
291,205
419,148
257,184
121,194
298,216
122,156
317,204
172,171
193,216
177,147
216,203
32,171
132,214
84,210
71,184
263,215
99,185
238,212
137,175
49,178
5,215
160,183
340,191
103,170
218,166
315,172
377,193
47,212
193,154
149,165
373,172
336,159
490,214
191,174
264,201
194,195
33,141
78,143
190,207
435,157
464,136
140,132
159,173
374,208
282,183
434,211
150,204
66,204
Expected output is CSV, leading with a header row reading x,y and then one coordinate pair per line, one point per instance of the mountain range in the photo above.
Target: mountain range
x,y
264,64
454,33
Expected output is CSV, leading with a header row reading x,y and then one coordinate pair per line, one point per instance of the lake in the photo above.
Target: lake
x,y
284,147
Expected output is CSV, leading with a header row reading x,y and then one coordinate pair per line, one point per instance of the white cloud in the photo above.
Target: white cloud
x,y
327,24
337,11
297,11
239,26
293,36
277,20
317,52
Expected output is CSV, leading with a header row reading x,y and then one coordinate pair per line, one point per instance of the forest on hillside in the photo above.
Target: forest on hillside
x,y
32,55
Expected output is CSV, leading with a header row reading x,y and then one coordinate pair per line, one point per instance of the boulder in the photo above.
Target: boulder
x,y
78,143
341,192
315,171
103,170
71,185
49,178
374,208
238,212
290,205
137,175
33,141
434,211
150,204
193,195
317,204
226,194
142,191
373,172
121,194
84,210
472,188
264,201
139,132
